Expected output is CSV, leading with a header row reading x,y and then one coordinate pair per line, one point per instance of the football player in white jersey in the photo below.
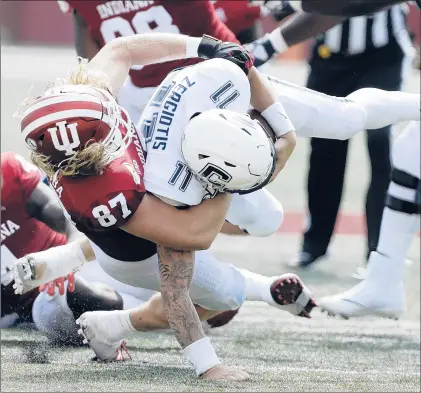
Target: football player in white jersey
x,y
183,106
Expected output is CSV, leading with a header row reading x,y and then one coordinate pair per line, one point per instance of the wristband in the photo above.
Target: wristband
x,y
192,46
277,118
278,41
201,355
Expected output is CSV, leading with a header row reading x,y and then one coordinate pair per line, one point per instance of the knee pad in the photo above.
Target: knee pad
x,y
259,213
53,317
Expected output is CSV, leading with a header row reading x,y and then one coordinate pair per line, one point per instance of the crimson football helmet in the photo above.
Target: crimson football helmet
x,y
62,121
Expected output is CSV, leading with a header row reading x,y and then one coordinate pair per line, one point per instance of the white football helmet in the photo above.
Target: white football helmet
x,y
228,151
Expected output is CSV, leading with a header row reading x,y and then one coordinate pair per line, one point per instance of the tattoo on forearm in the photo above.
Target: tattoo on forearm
x,y
176,272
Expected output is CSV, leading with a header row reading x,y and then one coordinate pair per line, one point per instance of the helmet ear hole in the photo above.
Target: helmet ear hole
x,y
202,156
230,165
246,131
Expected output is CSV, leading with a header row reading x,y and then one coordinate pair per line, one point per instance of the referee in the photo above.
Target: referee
x,y
364,51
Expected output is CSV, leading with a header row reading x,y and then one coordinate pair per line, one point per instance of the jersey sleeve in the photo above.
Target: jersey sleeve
x,y
221,84
27,175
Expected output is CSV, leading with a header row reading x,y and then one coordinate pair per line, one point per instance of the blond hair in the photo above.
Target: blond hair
x,y
93,158
89,161
81,74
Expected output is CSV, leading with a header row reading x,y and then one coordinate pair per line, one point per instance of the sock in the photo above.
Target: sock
x,y
396,233
384,108
257,286
118,323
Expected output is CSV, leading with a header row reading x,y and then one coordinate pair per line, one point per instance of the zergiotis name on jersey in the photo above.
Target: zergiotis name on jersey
x,y
168,97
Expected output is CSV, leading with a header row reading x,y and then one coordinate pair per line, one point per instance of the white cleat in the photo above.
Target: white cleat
x,y
95,333
347,306
380,293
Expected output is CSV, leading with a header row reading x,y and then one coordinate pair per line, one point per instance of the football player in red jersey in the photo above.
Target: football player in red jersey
x,y
107,173
32,221
99,22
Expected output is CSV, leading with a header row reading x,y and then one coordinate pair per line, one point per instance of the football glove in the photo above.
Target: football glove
x,y
211,48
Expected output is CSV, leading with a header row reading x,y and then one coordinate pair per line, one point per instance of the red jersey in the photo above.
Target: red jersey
x,y
107,20
238,15
100,205
20,233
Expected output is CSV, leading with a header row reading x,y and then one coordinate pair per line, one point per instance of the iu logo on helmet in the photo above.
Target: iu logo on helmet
x,y
66,143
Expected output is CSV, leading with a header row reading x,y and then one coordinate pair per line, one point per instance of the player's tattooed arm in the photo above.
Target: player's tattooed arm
x,y
44,206
85,45
176,272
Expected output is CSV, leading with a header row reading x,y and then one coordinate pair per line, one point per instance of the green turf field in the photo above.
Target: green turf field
x,y
282,353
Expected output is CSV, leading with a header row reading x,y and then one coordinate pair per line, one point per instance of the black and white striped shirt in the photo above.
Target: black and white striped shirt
x,y
360,34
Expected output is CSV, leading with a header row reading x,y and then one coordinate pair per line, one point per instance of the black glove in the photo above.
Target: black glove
x,y
211,48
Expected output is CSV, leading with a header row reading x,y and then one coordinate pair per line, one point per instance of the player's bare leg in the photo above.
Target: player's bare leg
x,y
382,290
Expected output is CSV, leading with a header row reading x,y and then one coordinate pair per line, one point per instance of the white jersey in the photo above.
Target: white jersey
x,y
215,83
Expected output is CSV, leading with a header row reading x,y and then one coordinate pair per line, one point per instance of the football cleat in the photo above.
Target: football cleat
x,y
359,301
94,333
289,293
380,293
